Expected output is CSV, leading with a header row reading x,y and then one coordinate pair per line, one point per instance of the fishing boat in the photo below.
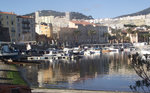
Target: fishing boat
x,y
114,49
92,51
7,51
106,50
53,52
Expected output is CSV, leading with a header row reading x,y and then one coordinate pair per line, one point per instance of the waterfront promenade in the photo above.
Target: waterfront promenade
x,y
71,91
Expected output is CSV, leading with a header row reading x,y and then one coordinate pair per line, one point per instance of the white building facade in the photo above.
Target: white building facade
x,y
57,22
121,21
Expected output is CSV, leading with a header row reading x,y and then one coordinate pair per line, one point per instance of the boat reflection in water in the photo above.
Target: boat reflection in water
x,y
103,72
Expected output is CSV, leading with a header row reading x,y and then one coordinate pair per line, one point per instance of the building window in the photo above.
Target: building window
x,y
12,22
13,29
7,17
18,25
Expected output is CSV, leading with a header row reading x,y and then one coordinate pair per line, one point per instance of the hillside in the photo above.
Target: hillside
x,y
143,12
75,15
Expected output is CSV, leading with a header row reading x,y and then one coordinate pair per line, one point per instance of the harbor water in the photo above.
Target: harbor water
x,y
110,72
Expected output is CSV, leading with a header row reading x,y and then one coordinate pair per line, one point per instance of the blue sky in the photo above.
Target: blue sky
x,y
96,8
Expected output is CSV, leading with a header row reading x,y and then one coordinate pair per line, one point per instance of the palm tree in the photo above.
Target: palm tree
x,y
108,36
118,35
146,37
123,37
127,39
76,34
132,33
91,33
129,30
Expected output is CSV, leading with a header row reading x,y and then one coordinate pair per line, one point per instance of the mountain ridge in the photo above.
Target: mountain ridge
x,y
75,15
142,12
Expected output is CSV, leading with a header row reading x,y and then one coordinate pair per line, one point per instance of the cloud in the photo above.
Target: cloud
x,y
86,10
93,7
97,6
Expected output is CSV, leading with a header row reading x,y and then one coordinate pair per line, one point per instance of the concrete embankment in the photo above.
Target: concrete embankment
x,y
71,91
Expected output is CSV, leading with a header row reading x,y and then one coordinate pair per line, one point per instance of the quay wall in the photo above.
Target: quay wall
x,y
72,91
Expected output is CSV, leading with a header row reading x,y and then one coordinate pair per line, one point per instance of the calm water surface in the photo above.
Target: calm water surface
x,y
103,72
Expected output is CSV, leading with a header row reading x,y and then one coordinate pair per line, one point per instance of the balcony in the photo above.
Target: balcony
x,y
24,32
25,22
26,28
13,31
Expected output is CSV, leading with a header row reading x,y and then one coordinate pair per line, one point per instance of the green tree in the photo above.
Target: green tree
x,y
118,35
108,36
127,39
144,37
76,34
129,30
130,25
91,33
142,68
132,32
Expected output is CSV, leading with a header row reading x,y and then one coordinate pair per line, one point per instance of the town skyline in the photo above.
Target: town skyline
x,y
95,8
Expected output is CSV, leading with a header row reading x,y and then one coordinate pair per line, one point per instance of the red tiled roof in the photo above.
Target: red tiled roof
x,y
24,16
10,13
83,23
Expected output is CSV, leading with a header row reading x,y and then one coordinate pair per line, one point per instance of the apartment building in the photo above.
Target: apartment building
x,y
4,34
25,28
21,28
45,29
81,32
8,20
57,22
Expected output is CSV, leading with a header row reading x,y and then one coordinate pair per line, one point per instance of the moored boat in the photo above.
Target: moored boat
x,y
92,51
106,50
114,49
7,51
